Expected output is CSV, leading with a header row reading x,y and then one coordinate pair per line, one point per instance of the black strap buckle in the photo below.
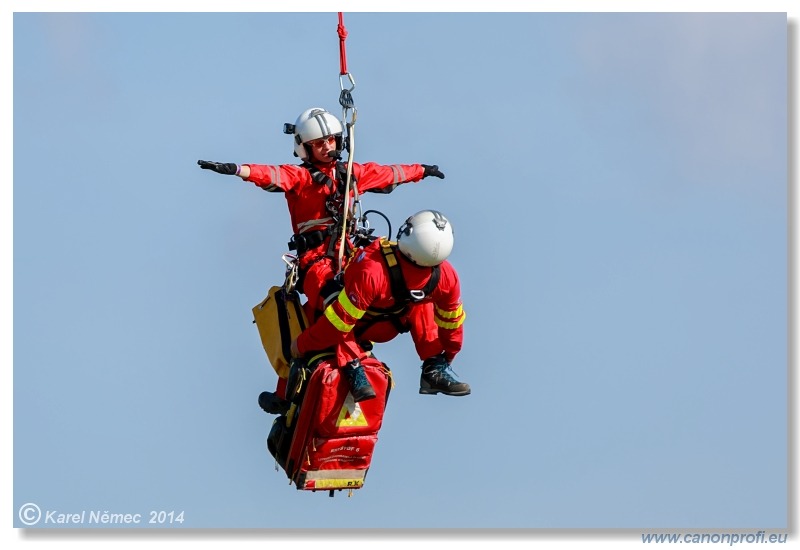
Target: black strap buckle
x,y
303,242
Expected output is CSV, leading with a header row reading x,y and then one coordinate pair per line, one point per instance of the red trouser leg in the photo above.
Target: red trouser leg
x,y
314,278
424,331
347,351
422,326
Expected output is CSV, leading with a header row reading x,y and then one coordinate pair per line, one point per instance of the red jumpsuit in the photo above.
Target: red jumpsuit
x,y
307,200
435,322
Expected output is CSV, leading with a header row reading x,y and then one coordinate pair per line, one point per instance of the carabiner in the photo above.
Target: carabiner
x,y
292,275
346,97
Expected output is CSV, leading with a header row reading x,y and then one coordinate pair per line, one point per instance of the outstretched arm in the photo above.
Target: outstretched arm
x,y
379,178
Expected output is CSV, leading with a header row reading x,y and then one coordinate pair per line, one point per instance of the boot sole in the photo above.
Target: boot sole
x,y
431,391
364,397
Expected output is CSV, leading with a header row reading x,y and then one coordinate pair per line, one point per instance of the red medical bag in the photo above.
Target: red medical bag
x,y
326,440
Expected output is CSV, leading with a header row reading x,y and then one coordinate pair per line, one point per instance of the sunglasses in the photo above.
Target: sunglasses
x,y
322,141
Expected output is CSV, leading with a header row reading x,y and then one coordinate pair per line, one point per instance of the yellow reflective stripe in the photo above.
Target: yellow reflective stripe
x,y
444,314
336,321
348,306
451,326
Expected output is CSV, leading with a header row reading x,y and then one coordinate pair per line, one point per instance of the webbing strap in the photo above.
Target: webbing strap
x,y
400,290
433,281
342,50
335,187
319,177
283,298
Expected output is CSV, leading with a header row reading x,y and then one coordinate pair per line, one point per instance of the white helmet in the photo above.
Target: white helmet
x,y
426,238
313,124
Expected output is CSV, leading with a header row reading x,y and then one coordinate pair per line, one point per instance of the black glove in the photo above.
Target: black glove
x,y
432,171
227,168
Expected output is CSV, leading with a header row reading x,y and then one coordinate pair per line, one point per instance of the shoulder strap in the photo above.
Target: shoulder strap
x,y
341,173
433,281
399,289
318,176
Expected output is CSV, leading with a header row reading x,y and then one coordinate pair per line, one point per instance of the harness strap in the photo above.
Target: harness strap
x,y
400,292
432,282
318,176
306,240
302,242
335,203
323,179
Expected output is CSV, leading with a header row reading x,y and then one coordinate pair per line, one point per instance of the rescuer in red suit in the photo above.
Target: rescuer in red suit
x,y
314,192
376,305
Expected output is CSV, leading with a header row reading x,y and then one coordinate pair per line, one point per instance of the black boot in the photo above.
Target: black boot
x,y
357,378
436,378
272,404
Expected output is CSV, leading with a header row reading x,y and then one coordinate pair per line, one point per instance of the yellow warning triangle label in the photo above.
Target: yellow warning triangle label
x,y
351,413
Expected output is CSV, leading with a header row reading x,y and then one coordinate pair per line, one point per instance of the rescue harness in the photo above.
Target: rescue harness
x,y
304,241
403,296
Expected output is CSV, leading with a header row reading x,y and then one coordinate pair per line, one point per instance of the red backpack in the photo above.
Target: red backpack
x,y
326,440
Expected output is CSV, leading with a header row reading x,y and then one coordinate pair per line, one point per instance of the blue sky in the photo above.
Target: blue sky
x,y
618,187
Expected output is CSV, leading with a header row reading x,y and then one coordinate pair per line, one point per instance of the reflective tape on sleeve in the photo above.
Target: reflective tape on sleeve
x,y
348,306
336,321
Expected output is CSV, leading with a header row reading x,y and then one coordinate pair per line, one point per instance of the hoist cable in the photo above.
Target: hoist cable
x,y
347,103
